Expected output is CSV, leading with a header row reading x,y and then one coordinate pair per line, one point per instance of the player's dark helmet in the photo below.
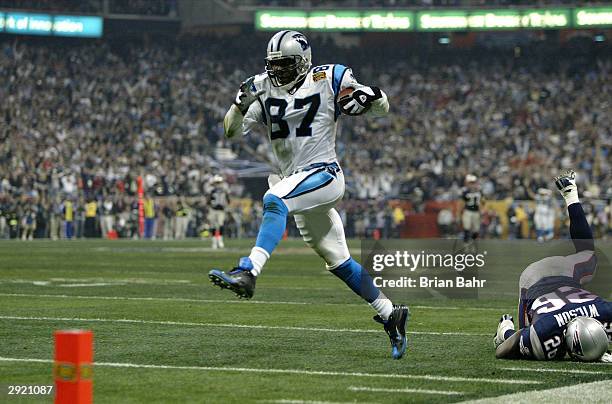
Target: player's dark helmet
x,y
288,58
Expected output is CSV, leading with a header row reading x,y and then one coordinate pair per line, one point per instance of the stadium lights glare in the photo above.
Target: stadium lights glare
x,y
434,20
49,24
335,20
593,17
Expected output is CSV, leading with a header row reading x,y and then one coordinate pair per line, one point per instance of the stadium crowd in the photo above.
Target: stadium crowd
x,y
81,120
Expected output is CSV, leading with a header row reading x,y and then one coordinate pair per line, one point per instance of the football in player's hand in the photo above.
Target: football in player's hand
x,y
344,98
351,106
345,94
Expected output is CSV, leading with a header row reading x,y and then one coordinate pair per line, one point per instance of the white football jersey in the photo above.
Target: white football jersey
x,y
544,204
301,125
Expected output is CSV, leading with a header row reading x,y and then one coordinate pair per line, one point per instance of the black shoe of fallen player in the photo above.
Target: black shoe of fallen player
x,y
239,280
395,327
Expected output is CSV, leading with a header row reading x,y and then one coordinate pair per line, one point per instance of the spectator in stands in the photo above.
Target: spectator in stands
x,y
68,210
91,214
445,222
150,214
55,219
28,222
167,217
107,222
182,220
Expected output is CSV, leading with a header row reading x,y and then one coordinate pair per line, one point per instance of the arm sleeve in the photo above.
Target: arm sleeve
x,y
510,348
234,123
253,118
380,107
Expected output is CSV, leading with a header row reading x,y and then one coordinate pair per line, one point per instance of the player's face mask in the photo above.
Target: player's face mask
x,y
284,70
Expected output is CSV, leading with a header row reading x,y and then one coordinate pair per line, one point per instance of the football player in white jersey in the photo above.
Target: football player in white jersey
x,y
544,216
299,104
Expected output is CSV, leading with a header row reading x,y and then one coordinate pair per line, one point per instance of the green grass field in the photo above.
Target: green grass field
x,y
164,334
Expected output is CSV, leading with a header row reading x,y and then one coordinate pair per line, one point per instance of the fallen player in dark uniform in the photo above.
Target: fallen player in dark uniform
x,y
557,316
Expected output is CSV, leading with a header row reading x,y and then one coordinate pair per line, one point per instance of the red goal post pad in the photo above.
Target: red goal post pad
x,y
73,366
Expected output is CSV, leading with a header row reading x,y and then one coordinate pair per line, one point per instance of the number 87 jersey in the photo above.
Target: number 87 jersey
x,y
301,121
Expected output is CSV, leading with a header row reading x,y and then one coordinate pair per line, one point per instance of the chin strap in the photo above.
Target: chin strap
x,y
297,85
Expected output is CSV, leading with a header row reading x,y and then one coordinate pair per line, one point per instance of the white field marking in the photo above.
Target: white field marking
x,y
406,390
576,371
88,281
279,251
152,281
587,393
226,325
182,299
82,285
290,401
293,371
160,299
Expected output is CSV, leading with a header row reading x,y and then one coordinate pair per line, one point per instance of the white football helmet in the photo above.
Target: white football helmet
x,y
586,339
288,58
470,178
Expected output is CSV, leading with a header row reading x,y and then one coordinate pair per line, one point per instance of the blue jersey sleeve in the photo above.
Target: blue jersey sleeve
x,y
338,73
546,339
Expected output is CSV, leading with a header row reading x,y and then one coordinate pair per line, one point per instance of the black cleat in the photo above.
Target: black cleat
x,y
239,280
395,327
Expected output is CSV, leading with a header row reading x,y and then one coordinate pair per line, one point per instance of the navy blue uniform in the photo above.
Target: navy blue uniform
x,y
550,313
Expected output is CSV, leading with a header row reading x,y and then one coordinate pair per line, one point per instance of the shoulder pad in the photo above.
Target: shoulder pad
x,y
259,80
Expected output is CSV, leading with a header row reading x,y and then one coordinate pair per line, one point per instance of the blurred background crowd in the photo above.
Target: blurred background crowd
x,y
82,119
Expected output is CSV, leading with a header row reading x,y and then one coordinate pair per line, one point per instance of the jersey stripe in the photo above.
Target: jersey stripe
x,y
262,118
312,182
338,73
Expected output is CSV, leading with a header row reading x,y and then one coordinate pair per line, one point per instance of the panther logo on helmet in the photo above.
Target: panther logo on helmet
x,y
301,39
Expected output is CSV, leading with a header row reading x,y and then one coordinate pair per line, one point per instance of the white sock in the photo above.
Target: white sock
x,y
258,257
221,243
383,306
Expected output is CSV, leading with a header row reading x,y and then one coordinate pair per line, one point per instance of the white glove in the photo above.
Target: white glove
x,y
246,96
505,323
360,100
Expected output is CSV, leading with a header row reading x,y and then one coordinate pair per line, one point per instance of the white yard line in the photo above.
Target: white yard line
x,y
292,401
234,301
226,325
576,371
291,371
588,393
146,298
86,285
90,281
406,390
